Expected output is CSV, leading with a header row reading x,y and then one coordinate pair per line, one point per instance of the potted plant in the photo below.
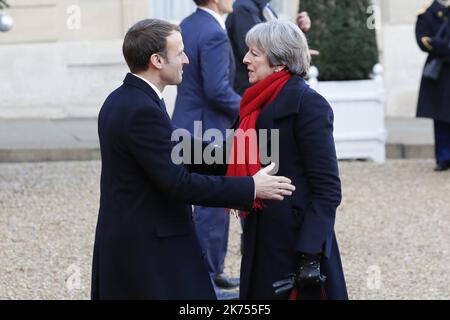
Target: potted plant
x,y
6,21
348,75
3,4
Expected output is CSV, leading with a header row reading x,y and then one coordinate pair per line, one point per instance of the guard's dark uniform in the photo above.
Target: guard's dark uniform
x,y
434,96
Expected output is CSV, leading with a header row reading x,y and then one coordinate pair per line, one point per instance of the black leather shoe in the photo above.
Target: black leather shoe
x,y
222,281
442,167
223,295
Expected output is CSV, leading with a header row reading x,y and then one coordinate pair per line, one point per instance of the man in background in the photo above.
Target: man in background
x,y
246,14
206,94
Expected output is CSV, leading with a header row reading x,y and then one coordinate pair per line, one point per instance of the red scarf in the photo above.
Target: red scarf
x,y
255,99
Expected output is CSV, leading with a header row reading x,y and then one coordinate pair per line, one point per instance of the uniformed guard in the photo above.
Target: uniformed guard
x,y
433,36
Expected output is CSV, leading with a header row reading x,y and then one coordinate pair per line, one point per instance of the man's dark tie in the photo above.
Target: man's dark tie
x,y
162,105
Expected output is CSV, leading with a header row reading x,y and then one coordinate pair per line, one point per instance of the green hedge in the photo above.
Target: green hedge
x,y
3,4
348,48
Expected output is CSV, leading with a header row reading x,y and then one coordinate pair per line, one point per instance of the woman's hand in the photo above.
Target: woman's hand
x,y
308,271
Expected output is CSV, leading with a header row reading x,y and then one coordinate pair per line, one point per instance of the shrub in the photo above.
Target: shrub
x,y
348,48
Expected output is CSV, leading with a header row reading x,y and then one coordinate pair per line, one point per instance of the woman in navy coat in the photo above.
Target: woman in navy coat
x,y
296,236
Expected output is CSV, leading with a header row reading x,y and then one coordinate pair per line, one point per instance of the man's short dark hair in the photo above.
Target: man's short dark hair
x,y
144,39
201,2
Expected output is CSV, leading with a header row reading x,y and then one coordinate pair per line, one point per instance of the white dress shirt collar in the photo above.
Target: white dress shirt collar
x,y
216,16
268,13
151,85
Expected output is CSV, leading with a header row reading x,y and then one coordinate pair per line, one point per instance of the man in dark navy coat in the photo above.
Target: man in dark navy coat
x,y
145,244
206,95
434,96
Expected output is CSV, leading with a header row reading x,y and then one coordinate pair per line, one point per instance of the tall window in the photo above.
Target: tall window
x,y
284,8
171,10
176,10
278,5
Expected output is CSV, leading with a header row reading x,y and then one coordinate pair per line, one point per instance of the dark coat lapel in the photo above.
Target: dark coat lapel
x,y
288,100
141,84
134,81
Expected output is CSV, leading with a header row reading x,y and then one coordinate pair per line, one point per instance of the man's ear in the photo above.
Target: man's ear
x,y
156,61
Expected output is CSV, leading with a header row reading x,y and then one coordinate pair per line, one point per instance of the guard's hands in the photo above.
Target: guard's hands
x,y
304,21
314,53
272,187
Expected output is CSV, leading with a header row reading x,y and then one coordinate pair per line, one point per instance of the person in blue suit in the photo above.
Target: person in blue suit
x,y
295,236
434,95
145,243
206,94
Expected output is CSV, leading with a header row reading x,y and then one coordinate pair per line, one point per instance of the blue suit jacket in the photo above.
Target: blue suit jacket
x,y
145,243
206,93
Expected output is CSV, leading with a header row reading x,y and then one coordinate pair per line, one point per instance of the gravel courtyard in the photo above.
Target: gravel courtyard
x,y
393,228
